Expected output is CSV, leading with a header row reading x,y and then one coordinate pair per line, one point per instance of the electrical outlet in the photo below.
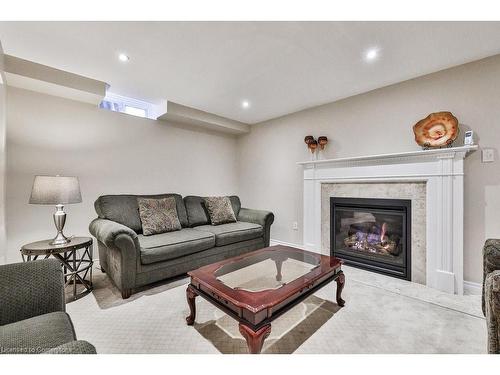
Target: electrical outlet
x,y
295,226
488,155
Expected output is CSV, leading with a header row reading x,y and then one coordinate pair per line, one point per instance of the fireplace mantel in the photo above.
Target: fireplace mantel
x,y
443,172
462,151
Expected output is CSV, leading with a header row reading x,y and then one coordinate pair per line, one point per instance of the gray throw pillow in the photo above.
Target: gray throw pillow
x,y
220,210
158,215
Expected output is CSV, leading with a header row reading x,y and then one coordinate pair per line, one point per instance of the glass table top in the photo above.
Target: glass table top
x,y
267,270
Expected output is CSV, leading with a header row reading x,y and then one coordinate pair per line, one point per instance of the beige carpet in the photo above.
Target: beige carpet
x,y
382,315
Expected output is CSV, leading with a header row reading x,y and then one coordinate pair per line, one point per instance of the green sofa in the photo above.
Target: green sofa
x,y
491,293
133,260
32,311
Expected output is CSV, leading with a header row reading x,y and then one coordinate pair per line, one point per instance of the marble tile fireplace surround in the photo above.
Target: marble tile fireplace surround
x,y
432,180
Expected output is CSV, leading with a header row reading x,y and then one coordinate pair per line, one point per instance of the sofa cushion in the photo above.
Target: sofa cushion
x,y
171,245
197,213
158,215
220,210
37,334
226,234
124,209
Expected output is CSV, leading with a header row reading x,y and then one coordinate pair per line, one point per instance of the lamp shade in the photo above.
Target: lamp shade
x,y
55,190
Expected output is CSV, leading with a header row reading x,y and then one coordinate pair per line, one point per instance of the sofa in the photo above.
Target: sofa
x,y
132,259
491,293
32,311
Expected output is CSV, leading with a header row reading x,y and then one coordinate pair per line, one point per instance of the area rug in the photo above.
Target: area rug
x,y
381,315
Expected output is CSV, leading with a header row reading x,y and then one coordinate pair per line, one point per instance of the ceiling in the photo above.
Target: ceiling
x,y
278,67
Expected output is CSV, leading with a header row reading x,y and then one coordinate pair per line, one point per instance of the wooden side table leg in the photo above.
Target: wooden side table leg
x,y
74,276
255,339
65,270
191,295
340,285
90,250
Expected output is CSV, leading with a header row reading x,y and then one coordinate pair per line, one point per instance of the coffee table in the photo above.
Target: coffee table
x,y
257,287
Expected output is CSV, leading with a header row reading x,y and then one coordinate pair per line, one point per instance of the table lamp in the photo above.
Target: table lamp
x,y
57,190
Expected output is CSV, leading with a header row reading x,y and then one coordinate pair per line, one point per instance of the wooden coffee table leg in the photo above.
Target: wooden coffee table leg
x,y
340,285
191,295
279,263
278,260
255,339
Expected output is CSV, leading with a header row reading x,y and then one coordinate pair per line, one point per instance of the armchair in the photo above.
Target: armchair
x,y
32,312
491,293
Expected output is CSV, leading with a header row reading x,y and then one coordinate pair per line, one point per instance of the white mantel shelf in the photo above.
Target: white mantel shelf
x,y
442,170
396,155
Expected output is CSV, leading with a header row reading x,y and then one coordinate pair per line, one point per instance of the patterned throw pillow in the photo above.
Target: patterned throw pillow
x,y
220,210
158,215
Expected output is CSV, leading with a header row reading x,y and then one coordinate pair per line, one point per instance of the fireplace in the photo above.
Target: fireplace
x,y
373,234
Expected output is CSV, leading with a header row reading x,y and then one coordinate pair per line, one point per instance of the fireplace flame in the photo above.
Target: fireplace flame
x,y
382,233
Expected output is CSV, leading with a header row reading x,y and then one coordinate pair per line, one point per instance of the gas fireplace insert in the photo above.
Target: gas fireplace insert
x,y
373,234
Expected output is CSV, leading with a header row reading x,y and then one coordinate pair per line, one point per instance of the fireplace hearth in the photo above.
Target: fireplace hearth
x,y
373,234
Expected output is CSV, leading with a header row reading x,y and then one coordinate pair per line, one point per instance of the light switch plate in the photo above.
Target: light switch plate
x,y
488,155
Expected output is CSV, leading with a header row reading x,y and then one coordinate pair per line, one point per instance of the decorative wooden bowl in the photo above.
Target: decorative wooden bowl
x,y
439,129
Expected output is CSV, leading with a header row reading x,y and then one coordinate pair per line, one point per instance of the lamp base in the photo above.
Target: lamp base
x,y
59,221
60,239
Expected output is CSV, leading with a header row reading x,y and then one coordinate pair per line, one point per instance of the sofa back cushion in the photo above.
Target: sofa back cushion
x,y
197,212
124,209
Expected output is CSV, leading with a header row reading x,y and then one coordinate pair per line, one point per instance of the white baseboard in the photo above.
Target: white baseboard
x,y
470,288
278,242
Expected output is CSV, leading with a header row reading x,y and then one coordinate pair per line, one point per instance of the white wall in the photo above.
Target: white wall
x,y
116,153
3,110
110,152
380,122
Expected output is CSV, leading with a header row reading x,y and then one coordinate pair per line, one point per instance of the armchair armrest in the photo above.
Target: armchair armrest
x,y
107,231
30,289
264,218
73,347
491,261
492,310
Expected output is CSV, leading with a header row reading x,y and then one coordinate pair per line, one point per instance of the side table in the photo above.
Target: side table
x,y
77,266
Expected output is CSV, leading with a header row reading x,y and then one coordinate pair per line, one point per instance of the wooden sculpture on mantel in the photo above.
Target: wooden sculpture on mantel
x,y
312,144
439,129
308,139
322,141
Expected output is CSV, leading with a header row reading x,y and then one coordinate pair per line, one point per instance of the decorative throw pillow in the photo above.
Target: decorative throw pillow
x,y
158,215
220,210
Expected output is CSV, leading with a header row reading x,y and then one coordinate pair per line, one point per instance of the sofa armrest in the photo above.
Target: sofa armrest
x,y
491,260
73,347
492,310
264,218
107,231
119,252
30,289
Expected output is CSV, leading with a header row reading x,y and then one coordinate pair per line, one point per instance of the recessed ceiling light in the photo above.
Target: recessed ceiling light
x,y
245,104
371,54
123,57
